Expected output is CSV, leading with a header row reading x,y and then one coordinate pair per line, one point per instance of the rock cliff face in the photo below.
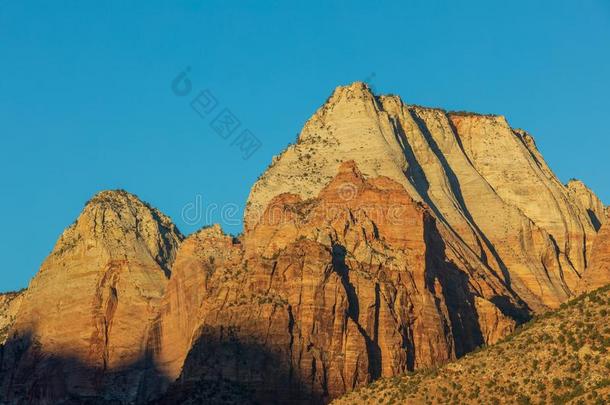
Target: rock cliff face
x,y
391,237
565,354
328,293
598,272
589,201
82,324
9,306
485,181
205,261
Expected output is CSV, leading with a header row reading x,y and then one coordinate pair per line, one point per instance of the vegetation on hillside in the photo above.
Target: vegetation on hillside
x,y
561,357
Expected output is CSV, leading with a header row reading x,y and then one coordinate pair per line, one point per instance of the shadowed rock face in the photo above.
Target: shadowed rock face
x,y
327,294
83,322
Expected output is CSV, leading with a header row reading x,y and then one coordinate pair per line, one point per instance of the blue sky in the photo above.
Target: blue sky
x,y
86,101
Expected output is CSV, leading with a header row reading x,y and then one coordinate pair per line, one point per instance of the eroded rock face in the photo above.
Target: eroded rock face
x,y
9,306
327,294
483,180
598,273
589,201
202,263
82,325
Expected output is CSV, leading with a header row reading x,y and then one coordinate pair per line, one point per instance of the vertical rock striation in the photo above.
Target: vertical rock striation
x,y
330,293
486,182
598,273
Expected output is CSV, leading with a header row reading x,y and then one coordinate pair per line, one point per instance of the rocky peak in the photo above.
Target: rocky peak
x,y
118,222
350,167
212,231
588,201
481,179
354,91
87,313
347,174
209,241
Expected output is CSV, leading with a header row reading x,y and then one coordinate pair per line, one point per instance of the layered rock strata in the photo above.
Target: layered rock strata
x,y
329,293
485,181
598,273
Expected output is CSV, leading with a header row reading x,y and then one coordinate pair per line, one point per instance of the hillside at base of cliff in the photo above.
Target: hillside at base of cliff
x,y
561,357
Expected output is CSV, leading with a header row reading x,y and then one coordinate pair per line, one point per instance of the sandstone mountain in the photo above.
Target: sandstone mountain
x,y
82,325
483,180
562,357
326,294
389,238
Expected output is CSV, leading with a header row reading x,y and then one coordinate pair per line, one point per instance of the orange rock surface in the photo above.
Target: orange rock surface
x,y
83,322
484,180
331,293
598,272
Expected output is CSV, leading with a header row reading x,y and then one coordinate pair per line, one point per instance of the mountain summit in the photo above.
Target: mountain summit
x,y
480,178
83,322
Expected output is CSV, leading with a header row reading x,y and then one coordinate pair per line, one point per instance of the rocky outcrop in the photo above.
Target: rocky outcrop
x,y
587,199
203,263
83,322
598,273
331,293
9,306
485,181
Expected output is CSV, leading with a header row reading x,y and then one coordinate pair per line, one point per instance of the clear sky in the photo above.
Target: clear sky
x,y
86,101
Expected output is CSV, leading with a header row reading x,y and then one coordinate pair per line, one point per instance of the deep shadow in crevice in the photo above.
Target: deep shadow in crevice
x,y
457,192
372,345
594,220
458,296
417,177
454,283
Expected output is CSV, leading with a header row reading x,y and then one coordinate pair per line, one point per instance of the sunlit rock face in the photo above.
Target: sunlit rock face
x,y
485,181
326,294
594,207
598,272
9,307
82,326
